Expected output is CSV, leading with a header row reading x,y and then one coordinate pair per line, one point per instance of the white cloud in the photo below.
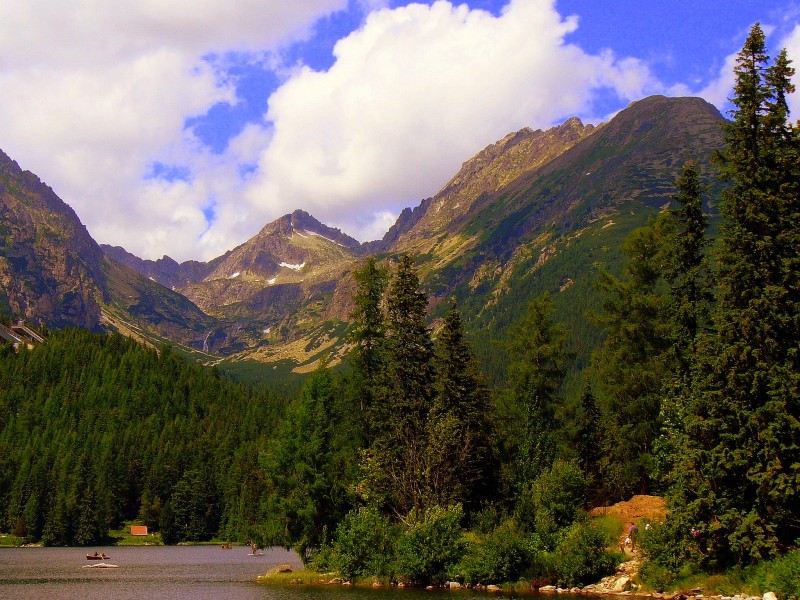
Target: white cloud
x,y
93,92
93,95
415,92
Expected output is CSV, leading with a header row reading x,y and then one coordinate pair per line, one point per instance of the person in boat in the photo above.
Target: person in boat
x,y
96,554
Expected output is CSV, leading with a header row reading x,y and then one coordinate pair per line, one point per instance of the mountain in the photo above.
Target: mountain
x,y
51,270
536,211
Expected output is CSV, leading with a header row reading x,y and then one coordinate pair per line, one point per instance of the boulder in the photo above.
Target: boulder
x,y
623,584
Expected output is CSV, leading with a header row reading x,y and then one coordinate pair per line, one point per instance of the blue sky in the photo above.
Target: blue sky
x,y
182,128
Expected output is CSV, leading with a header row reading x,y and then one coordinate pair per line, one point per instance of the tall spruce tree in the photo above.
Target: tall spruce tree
x,y
395,467
589,440
536,372
368,333
741,469
633,362
688,271
458,428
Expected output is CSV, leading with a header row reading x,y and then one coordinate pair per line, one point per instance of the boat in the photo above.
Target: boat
x,y
97,556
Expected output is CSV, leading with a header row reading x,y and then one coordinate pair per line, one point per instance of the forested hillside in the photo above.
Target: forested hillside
x,y
97,429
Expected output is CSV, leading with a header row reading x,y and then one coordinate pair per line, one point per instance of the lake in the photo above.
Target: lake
x,y
174,572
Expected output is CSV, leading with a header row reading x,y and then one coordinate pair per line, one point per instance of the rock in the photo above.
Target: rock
x,y
453,585
622,584
769,596
493,588
547,589
283,569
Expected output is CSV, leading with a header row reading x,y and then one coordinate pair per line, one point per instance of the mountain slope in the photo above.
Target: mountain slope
x,y
51,270
49,265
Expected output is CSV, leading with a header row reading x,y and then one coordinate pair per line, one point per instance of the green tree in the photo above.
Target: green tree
x,y
368,333
688,271
589,439
631,366
740,472
396,464
307,471
459,425
536,372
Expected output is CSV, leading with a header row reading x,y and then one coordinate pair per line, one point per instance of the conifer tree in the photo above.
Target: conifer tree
x,y
395,465
742,466
688,271
589,438
458,427
632,363
536,372
368,334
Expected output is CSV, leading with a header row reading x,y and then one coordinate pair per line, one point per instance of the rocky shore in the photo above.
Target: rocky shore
x,y
619,584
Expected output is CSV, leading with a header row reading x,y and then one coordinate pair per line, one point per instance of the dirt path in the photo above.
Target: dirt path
x,y
638,510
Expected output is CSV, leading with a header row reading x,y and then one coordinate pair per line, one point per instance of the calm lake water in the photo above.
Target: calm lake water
x,y
196,572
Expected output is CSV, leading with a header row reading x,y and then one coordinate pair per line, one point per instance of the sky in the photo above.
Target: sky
x,y
181,128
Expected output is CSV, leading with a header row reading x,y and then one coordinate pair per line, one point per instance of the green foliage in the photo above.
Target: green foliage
x,y
553,501
738,473
582,556
631,367
536,372
403,397
460,427
669,549
363,545
307,468
96,430
781,576
503,555
430,545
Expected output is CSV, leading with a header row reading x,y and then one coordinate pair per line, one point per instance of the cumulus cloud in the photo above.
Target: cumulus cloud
x,y
413,93
95,92
94,96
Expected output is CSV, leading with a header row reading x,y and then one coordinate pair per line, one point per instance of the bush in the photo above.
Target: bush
x,y
503,555
782,576
658,577
582,556
363,545
554,500
669,546
430,545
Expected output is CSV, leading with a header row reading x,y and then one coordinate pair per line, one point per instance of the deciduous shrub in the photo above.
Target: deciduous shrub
x,y
782,576
582,556
553,501
502,555
363,545
430,545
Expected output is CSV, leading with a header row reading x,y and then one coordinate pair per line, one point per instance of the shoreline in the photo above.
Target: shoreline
x,y
619,584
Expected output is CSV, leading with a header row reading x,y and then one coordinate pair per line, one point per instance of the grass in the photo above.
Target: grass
x,y
10,541
123,537
302,577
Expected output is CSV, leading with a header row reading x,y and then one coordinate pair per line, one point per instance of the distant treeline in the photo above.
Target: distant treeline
x,y
96,430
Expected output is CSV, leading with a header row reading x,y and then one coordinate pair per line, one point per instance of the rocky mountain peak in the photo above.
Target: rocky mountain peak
x,y
494,167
